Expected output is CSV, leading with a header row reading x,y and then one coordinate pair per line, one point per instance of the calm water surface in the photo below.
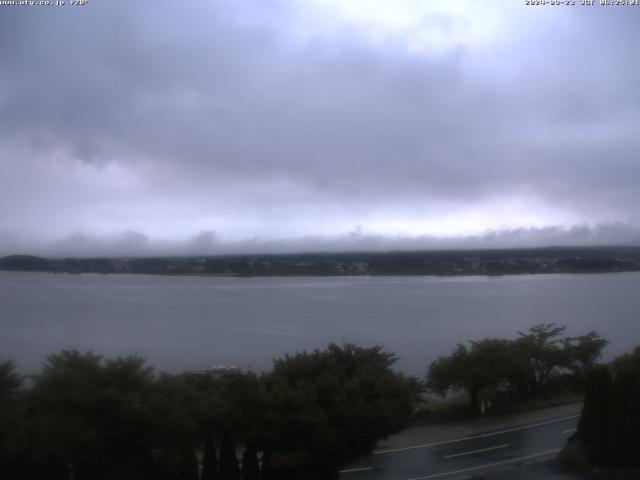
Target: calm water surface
x,y
196,322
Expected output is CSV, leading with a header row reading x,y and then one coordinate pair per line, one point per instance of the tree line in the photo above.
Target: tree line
x,y
88,417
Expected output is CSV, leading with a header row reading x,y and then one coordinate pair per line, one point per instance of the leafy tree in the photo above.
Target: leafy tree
x,y
328,407
523,366
10,382
542,346
233,403
548,353
485,365
109,418
91,413
174,429
584,351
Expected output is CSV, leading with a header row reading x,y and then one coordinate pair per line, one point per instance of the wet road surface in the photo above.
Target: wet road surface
x,y
491,455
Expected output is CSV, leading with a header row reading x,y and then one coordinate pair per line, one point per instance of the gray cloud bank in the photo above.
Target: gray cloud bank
x,y
248,119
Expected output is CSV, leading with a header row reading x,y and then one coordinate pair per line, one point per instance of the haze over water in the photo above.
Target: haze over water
x,y
195,322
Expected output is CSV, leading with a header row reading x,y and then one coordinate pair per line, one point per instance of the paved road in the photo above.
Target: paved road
x,y
486,454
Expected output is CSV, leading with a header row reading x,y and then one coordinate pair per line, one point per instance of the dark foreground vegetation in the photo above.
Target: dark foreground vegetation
x,y
607,442
85,417
499,374
451,262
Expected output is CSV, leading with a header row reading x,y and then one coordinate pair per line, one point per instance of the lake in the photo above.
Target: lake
x,y
182,323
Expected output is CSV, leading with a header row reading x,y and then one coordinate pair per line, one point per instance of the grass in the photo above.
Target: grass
x,y
433,410
455,407
541,403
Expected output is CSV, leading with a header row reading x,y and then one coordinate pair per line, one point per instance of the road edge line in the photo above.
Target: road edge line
x,y
487,465
474,437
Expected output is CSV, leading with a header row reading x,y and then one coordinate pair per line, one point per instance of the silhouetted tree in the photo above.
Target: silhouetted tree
x,y
625,418
547,353
594,427
326,408
229,467
209,459
188,469
109,418
485,365
521,366
610,421
250,464
11,416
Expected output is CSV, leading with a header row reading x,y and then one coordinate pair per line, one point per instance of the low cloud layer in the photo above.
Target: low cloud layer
x,y
131,243
316,126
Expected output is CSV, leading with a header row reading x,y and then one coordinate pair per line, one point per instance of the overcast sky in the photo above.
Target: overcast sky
x,y
256,125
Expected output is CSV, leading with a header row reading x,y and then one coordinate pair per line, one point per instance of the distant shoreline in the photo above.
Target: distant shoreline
x,y
442,263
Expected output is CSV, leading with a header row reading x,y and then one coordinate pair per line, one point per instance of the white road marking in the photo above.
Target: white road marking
x,y
487,465
475,437
352,470
472,452
571,430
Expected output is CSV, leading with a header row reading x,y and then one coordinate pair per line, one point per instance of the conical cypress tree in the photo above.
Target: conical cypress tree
x,y
229,468
624,444
165,466
209,459
601,442
625,421
250,465
595,423
266,472
188,467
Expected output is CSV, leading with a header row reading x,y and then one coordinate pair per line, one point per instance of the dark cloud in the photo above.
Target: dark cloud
x,y
239,117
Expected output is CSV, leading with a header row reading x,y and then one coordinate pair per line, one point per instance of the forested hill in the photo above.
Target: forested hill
x,y
450,262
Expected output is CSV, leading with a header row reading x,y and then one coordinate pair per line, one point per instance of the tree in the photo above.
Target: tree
x,y
233,403
250,464
229,467
10,413
595,420
329,407
174,430
610,420
103,418
486,365
584,351
188,466
209,459
10,382
547,353
522,366
625,418
542,347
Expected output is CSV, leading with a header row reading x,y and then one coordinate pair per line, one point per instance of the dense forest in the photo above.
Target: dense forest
x,y
446,262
